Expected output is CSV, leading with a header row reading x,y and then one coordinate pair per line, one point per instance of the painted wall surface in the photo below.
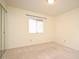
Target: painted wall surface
x,y
67,29
17,32
63,29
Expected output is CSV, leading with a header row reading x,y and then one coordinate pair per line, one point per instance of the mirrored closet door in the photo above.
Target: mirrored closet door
x,y
2,30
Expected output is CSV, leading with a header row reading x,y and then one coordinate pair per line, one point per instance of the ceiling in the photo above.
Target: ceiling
x,y
41,6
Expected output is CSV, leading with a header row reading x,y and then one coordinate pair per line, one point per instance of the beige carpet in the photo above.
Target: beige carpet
x,y
42,51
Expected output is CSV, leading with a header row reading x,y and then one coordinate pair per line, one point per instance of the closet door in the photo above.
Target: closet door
x,y
3,30
0,32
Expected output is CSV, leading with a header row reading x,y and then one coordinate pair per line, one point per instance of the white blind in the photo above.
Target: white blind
x,y
36,25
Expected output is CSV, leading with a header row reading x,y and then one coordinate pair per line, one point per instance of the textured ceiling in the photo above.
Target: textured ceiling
x,y
41,6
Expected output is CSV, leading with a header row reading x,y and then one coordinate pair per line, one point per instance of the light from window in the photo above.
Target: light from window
x,y
35,26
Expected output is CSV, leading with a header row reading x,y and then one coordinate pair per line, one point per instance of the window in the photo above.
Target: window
x,y
35,25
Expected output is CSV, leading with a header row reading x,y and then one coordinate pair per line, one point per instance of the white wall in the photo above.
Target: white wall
x,y
63,29
67,29
17,34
